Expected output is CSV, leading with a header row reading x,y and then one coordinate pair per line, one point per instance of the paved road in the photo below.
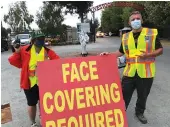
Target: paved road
x,y
158,111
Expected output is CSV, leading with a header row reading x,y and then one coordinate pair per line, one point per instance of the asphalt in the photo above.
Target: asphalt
x,y
158,103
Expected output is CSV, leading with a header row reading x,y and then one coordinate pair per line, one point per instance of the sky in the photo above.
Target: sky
x,y
34,5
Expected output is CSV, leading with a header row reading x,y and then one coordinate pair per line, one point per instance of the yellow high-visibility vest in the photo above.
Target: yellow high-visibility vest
x,y
35,57
146,42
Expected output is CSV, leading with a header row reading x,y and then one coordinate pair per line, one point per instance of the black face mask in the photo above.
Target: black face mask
x,y
39,43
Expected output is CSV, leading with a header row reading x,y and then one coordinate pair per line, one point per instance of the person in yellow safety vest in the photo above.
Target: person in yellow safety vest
x,y
26,58
140,47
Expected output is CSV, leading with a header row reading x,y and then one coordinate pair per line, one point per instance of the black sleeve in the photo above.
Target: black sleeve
x,y
158,43
121,49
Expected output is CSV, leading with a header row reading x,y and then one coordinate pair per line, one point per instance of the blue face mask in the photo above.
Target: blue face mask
x,y
39,43
136,24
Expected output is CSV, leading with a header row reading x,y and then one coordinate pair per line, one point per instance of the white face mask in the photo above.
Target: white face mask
x,y
136,24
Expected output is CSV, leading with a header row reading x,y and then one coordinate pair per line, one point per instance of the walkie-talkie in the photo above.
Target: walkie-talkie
x,y
16,44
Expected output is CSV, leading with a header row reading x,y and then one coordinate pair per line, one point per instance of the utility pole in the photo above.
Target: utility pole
x,y
93,13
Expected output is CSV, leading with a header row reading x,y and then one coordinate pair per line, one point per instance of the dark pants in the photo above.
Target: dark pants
x,y
32,95
142,85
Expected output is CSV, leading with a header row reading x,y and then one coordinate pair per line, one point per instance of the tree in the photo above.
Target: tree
x,y
79,7
4,33
114,18
158,16
158,12
50,18
8,30
99,29
125,16
111,19
18,17
28,19
93,26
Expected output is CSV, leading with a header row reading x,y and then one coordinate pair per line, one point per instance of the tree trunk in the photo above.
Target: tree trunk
x,y
82,18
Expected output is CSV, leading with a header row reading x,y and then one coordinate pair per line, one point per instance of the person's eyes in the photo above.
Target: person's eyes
x,y
132,19
135,19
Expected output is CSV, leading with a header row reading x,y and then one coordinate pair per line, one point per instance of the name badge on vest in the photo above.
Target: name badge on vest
x,y
147,38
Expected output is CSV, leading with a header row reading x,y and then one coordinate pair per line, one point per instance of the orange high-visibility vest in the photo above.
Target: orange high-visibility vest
x,y
146,42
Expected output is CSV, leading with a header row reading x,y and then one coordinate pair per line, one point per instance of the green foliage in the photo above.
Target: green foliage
x,y
125,15
18,17
94,25
155,13
158,12
79,7
99,29
4,33
111,19
8,30
50,18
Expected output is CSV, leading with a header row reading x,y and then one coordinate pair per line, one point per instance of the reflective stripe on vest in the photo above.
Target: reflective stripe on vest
x,y
140,60
125,41
146,42
128,69
148,50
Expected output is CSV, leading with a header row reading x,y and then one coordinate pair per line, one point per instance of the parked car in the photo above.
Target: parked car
x,y
99,34
124,30
106,34
25,39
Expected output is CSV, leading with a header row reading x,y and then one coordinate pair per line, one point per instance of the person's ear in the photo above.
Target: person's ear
x,y
129,23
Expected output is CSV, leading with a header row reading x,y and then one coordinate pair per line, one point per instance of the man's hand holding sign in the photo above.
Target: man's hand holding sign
x,y
81,93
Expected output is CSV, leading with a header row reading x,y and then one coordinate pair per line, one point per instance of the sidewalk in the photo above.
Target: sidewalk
x,y
165,42
158,101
